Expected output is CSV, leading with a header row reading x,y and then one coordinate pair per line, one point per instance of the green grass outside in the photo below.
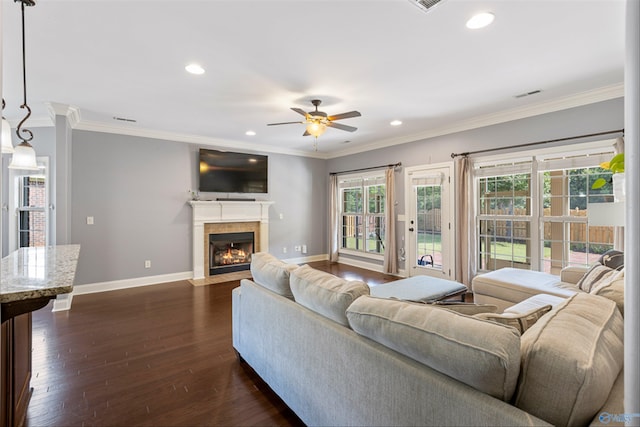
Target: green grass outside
x,y
428,243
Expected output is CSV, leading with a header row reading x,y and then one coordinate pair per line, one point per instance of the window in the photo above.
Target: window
x,y
32,220
504,220
362,204
542,223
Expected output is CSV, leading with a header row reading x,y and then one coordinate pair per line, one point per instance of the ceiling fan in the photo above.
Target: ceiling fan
x,y
318,121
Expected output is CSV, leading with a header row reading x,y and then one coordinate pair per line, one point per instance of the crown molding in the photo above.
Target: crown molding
x,y
96,126
576,100
72,113
76,121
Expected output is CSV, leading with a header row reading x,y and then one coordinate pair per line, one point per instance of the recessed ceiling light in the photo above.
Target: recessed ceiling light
x,y
480,20
194,69
250,133
396,123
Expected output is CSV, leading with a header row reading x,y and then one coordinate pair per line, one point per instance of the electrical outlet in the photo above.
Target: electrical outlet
x,y
297,248
304,249
89,220
284,250
147,264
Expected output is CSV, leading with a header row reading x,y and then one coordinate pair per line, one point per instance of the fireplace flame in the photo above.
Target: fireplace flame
x,y
233,256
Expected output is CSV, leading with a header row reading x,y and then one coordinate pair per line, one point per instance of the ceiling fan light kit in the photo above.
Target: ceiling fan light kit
x,y
317,121
316,128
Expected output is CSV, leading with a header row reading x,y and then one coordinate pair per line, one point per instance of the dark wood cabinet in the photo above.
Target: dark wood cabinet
x,y
16,370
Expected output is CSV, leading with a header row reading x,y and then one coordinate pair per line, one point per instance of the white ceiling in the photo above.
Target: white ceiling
x,y
385,58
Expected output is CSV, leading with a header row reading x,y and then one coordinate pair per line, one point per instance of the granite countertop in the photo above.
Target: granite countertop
x,y
30,273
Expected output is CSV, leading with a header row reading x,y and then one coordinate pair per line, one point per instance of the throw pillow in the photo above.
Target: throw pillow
x,y
592,278
521,322
612,259
612,289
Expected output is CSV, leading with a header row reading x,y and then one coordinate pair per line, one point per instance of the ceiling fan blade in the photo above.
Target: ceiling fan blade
x,y
300,111
342,127
345,115
283,123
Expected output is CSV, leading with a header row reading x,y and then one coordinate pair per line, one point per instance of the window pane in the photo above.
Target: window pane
x,y
31,228
375,234
32,192
504,243
352,200
429,226
352,232
376,198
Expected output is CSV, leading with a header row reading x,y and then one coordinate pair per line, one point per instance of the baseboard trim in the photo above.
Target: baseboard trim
x,y
115,285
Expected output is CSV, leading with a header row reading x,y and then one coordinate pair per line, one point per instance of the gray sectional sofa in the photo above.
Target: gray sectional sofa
x,y
337,356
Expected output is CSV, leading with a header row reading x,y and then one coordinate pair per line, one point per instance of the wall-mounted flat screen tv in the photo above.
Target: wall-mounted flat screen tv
x,y
227,172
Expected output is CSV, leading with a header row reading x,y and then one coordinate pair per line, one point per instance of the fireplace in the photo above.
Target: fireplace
x,y
230,252
218,217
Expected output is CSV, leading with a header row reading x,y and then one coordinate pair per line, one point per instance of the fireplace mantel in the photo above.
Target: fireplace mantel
x,y
221,211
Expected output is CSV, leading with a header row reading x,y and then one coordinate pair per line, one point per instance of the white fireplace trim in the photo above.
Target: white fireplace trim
x,y
210,212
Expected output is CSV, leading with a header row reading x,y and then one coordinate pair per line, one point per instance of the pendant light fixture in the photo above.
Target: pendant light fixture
x,y
7,145
24,156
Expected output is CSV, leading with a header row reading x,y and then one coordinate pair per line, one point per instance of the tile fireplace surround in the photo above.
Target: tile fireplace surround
x,y
226,216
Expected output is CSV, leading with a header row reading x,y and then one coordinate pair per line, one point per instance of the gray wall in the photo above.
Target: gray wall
x,y
598,117
298,186
137,191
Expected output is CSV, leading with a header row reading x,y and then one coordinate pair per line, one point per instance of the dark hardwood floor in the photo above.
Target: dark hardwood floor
x,y
152,356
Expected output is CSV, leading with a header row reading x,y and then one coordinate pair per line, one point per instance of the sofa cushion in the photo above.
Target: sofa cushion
x,y
271,273
612,259
612,289
520,321
325,293
596,273
570,360
484,355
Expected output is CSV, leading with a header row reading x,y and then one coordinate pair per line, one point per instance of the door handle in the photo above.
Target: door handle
x,y
411,229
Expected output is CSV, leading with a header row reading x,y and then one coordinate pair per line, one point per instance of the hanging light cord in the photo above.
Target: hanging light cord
x,y
19,129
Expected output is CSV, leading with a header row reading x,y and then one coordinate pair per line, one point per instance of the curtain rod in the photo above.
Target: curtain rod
x,y
395,165
454,155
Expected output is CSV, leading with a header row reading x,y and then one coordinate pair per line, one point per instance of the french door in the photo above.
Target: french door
x,y
429,222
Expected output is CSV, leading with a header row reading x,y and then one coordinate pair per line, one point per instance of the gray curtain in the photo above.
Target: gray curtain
x,y
465,222
333,212
390,258
618,232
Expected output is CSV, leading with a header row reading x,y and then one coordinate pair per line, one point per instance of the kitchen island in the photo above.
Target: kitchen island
x,y
29,279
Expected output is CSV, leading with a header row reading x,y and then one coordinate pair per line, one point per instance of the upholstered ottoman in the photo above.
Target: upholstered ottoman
x,y
419,288
509,286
